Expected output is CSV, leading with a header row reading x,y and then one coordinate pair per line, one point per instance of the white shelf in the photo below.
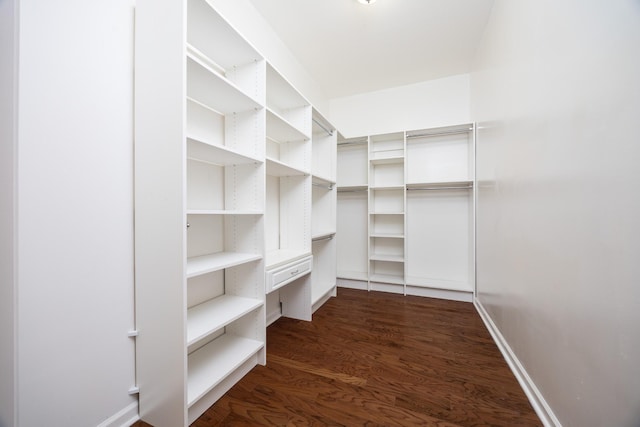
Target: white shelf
x,y
209,88
387,187
277,168
353,188
387,258
280,130
387,160
284,256
386,213
209,365
386,278
323,181
353,275
215,154
204,264
387,235
215,37
222,212
281,95
204,319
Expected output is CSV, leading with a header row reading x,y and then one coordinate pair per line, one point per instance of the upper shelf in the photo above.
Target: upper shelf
x,y
281,130
217,155
277,168
212,89
449,185
215,38
281,95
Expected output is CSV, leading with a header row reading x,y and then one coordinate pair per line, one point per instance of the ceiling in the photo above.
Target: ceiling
x,y
350,48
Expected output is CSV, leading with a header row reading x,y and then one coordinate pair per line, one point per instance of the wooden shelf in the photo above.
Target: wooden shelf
x,y
323,181
210,364
210,88
388,187
208,317
204,264
386,213
216,155
387,160
322,235
353,188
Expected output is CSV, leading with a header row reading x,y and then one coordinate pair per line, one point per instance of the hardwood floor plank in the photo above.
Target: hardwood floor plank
x,y
378,359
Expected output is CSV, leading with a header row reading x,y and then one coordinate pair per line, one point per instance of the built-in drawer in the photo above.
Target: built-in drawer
x,y
285,274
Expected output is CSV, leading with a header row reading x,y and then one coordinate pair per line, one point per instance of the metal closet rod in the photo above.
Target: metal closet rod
x,y
357,190
320,239
355,141
453,132
328,187
324,128
466,187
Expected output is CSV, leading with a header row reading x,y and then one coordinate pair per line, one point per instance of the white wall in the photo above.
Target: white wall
x,y
432,103
556,94
252,26
8,49
75,213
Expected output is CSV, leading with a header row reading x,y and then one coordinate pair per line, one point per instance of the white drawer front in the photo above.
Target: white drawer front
x,y
287,274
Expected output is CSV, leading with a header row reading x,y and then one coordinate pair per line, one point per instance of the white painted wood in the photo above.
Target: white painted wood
x,y
214,314
287,272
277,168
351,236
436,158
211,89
209,365
222,156
281,257
279,129
197,266
323,276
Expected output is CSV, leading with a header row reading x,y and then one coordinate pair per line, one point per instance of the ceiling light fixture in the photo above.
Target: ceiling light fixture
x,y
366,1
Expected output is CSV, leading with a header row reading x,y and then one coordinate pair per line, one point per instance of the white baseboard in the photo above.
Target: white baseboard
x,y
539,404
124,418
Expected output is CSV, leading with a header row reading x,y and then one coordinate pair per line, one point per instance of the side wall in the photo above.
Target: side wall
x,y
75,213
432,103
556,96
8,66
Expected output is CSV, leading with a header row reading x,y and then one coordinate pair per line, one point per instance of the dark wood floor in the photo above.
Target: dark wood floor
x,y
378,359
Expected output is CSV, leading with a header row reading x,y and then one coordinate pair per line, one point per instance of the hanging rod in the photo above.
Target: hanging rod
x,y
328,187
324,128
453,132
363,140
466,187
320,239
355,190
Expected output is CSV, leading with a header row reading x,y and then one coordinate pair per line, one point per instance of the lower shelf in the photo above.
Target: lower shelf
x,y
209,365
450,285
387,278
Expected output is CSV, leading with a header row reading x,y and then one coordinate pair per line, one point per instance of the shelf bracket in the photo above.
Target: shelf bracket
x,y
133,333
134,390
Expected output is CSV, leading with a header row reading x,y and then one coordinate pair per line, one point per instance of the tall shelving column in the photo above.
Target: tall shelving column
x,y
352,247
440,212
288,199
323,210
387,212
200,179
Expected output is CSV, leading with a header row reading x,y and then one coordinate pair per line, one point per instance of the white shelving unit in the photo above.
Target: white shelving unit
x,y
419,212
323,210
288,196
200,180
352,246
386,212
440,210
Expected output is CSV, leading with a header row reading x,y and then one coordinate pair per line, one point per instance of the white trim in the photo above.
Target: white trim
x,y
124,418
273,316
539,404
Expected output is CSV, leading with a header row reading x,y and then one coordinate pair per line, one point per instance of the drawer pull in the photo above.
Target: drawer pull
x,y
294,272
